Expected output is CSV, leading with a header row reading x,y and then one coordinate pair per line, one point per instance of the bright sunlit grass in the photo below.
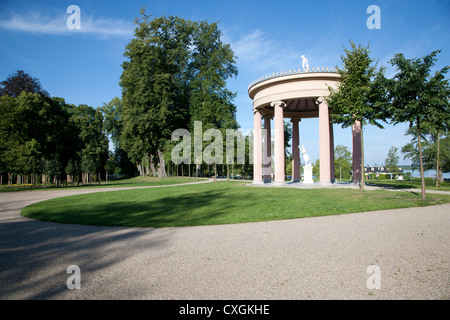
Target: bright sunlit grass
x,y
217,203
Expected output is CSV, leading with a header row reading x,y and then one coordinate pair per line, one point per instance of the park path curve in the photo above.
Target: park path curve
x,y
310,258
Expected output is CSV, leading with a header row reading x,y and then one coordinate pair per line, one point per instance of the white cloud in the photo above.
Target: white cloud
x,y
258,52
37,23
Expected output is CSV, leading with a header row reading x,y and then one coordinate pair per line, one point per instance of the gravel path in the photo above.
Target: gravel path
x,y
310,258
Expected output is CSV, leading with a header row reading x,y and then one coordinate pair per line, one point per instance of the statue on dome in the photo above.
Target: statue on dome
x,y
305,65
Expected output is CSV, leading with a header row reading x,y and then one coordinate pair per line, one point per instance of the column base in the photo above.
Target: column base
x,y
279,183
296,180
258,182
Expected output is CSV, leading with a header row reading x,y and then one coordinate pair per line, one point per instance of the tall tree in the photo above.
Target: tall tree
x,y
94,143
439,119
212,62
175,74
342,160
417,97
153,86
21,81
392,159
360,94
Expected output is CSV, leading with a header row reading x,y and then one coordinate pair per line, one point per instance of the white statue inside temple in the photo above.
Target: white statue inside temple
x,y
306,156
307,168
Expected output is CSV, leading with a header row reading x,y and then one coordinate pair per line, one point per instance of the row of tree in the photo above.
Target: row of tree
x,y
414,96
46,140
175,73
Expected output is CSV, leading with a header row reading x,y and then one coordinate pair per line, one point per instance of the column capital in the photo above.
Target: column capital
x,y
321,100
266,116
278,103
296,119
255,110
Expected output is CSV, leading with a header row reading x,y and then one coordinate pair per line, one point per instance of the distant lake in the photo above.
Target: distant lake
x,y
427,174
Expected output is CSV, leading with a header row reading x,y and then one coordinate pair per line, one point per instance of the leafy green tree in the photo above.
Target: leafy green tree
x,y
153,86
392,159
175,74
316,168
418,98
360,95
113,125
439,96
111,165
211,63
445,147
73,171
342,161
21,81
94,143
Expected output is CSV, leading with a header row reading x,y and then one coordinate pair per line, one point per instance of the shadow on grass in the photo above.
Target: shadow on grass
x,y
193,208
405,185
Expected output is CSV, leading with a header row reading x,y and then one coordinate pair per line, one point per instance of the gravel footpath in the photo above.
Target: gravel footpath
x,y
310,258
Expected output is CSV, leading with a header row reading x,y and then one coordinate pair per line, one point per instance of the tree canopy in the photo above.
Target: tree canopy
x,y
175,73
419,98
360,93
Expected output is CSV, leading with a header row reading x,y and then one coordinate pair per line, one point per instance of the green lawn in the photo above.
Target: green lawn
x,y
414,184
217,203
133,182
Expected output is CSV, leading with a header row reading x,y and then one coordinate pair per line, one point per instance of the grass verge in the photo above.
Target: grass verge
x,y
407,184
217,203
132,182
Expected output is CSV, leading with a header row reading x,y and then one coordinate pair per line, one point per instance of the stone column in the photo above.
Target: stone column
x,y
267,151
324,142
332,173
257,147
356,151
295,150
279,141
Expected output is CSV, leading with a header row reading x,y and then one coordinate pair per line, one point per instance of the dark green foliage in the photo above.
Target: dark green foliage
x,y
175,73
20,81
419,99
361,94
45,136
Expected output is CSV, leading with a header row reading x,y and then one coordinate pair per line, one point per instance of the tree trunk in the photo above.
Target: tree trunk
x,y
152,166
215,172
162,165
421,163
363,172
438,172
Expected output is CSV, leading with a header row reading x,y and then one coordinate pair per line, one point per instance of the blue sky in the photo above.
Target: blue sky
x,y
84,66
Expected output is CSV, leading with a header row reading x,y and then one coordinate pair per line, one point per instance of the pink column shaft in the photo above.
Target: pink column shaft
x,y
257,147
356,151
279,141
267,153
295,151
324,143
332,173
